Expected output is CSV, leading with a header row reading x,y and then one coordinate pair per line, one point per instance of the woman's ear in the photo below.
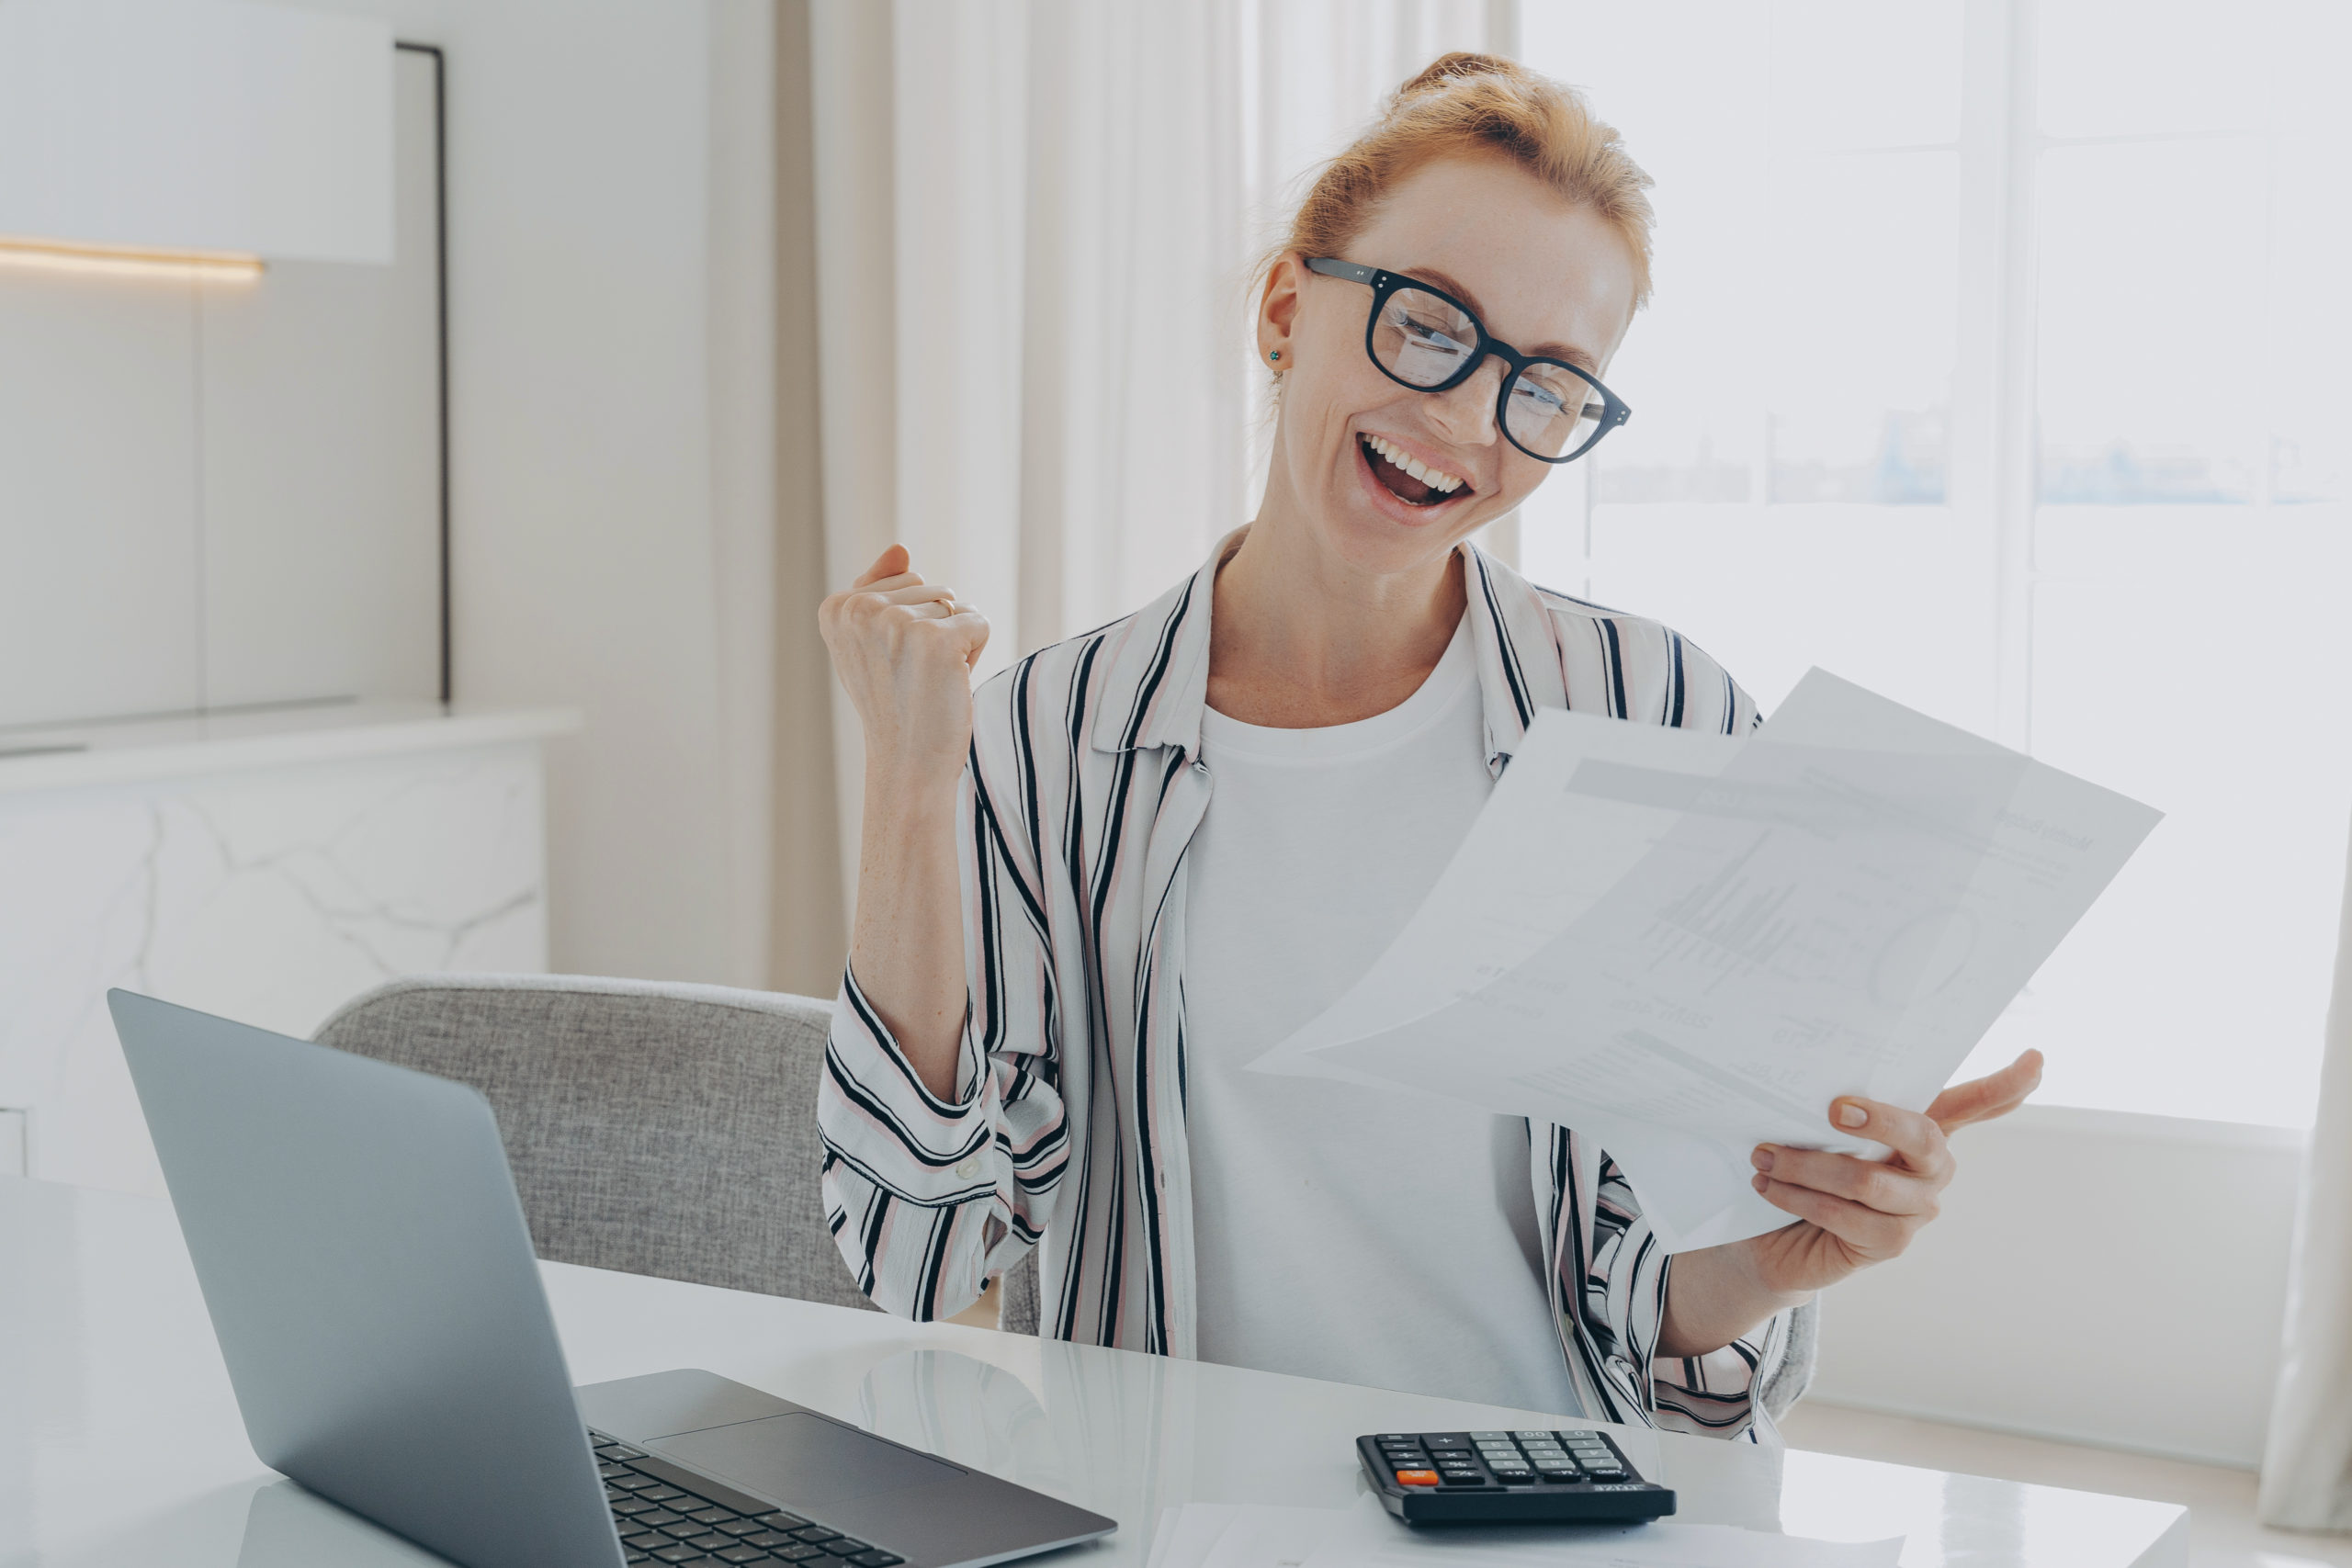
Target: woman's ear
x,y
1278,311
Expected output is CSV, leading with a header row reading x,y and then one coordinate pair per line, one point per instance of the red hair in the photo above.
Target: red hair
x,y
1481,106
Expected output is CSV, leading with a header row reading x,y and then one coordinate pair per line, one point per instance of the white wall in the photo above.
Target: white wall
x,y
2095,1277
215,493
591,541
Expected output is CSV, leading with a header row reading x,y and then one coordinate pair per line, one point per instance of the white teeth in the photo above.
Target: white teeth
x,y
1438,481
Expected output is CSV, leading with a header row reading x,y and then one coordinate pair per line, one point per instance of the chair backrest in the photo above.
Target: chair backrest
x,y
656,1129
1016,1301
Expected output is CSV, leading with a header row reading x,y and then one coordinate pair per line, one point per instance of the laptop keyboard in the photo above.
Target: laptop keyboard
x,y
667,1513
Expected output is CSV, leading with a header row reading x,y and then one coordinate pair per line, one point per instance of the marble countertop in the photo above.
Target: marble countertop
x,y
66,756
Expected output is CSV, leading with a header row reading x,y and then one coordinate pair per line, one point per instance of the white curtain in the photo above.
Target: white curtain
x,y
2307,1463
1035,222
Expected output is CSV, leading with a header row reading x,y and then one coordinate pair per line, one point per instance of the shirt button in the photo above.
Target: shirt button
x,y
969,1167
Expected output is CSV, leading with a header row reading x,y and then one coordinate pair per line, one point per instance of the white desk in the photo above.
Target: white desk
x,y
121,1446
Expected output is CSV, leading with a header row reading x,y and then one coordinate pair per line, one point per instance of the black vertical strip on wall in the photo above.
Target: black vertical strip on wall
x,y
441,311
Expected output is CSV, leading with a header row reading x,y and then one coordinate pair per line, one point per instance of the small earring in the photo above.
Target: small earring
x,y
1277,354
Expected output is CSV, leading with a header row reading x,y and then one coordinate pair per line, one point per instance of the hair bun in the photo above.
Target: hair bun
x,y
1458,65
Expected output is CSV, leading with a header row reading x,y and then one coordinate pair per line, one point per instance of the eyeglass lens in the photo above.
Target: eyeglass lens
x,y
1424,341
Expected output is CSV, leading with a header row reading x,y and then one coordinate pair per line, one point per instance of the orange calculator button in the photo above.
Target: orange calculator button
x,y
1417,1478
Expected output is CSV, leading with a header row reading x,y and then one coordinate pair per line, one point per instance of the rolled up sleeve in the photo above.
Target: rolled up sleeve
x,y
928,1198
1619,1300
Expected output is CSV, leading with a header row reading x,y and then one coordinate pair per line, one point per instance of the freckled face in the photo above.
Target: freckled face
x,y
1544,277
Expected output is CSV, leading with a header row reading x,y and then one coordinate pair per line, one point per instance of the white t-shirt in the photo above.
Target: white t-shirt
x,y
1345,1231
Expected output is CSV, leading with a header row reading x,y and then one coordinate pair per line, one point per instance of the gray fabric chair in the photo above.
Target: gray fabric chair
x,y
672,1129
657,1129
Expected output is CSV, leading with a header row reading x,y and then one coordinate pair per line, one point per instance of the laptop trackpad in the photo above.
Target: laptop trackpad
x,y
803,1458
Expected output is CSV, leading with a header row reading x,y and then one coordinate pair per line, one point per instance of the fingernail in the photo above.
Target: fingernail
x,y
1761,1159
1852,1116
1760,1184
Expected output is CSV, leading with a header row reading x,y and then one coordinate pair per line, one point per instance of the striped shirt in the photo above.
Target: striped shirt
x,y
1067,1133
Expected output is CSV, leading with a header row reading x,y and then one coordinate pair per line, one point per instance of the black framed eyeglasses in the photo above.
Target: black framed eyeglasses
x,y
1424,338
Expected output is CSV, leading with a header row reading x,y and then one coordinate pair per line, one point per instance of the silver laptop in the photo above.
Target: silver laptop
x,y
369,1275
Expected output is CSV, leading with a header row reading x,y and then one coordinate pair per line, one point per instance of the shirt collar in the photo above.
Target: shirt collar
x,y
1156,685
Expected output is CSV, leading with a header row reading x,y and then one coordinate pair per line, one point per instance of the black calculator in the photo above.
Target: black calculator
x,y
1489,1477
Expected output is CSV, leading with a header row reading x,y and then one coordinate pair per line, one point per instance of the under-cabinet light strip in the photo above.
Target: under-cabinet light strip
x,y
130,261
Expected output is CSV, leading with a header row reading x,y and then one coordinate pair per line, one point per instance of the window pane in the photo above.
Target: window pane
x,y
2153,258
1799,347
1862,73
2310,402
2189,326
1861,290
1681,84
1901,601
2173,656
2139,67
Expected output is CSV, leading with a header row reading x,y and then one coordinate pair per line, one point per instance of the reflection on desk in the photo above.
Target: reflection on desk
x,y
120,1444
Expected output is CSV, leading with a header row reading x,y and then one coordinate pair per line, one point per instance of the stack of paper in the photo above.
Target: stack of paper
x,y
1227,1534
1683,945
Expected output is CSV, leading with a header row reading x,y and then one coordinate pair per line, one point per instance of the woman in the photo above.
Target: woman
x,y
1091,892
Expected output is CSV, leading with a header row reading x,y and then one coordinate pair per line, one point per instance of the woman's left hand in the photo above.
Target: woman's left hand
x,y
1857,1212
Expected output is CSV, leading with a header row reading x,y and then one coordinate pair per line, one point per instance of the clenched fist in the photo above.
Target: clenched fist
x,y
904,650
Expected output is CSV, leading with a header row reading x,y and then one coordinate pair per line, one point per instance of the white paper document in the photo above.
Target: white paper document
x,y
1230,1535
1683,945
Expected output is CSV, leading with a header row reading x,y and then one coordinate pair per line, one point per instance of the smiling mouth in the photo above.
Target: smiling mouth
x,y
1407,478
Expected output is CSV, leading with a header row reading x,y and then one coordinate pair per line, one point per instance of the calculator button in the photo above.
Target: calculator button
x,y
1464,1478
1534,1437
1489,1437
1417,1478
1513,1475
